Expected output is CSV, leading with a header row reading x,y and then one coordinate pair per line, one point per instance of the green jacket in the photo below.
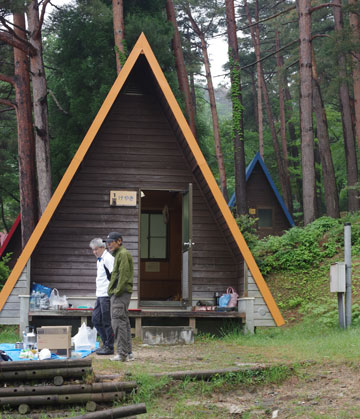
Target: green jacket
x,y
122,276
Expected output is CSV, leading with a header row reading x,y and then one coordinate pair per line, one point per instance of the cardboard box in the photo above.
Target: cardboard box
x,y
55,338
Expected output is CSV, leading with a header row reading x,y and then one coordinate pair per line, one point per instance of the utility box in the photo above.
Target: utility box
x,y
56,338
338,277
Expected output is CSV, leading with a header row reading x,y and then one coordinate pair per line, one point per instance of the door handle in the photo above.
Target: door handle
x,y
190,244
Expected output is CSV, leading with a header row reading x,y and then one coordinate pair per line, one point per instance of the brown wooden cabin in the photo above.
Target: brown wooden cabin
x,y
139,171
264,200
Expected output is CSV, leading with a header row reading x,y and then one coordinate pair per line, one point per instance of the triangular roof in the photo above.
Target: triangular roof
x,y
10,235
249,170
143,48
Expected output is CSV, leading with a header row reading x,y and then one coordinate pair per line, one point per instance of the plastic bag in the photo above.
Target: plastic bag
x,y
41,288
57,301
224,300
85,339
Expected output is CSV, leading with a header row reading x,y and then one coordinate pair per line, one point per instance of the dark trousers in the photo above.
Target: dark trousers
x,y
101,319
121,323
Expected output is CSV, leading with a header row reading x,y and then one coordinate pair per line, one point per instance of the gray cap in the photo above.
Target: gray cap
x,y
113,236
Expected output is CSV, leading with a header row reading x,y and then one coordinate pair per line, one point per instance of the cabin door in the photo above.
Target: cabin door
x,y
187,244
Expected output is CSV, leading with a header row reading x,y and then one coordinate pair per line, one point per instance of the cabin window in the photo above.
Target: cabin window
x,y
153,236
265,216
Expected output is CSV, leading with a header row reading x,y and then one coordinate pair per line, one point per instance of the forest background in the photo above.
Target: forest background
x,y
293,95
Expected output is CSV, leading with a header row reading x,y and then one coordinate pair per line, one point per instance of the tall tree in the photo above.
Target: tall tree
x,y
40,106
281,83
284,177
180,66
26,142
215,120
119,32
330,188
355,31
306,121
349,137
238,121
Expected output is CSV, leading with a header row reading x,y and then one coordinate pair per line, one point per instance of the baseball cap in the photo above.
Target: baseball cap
x,y
113,236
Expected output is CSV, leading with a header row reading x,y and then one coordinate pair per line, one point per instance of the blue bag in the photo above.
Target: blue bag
x,y
41,289
224,300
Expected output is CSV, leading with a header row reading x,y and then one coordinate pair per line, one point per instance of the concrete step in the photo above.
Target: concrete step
x,y
167,335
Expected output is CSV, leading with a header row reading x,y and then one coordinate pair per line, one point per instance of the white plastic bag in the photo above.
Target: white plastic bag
x,y
56,301
85,339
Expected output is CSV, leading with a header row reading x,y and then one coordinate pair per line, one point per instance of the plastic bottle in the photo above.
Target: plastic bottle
x,y
32,301
37,300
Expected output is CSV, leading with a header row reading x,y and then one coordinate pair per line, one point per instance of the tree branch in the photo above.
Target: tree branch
x,y
270,55
313,9
51,93
7,79
267,18
8,103
16,43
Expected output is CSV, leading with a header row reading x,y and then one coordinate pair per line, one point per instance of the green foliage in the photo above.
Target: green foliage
x,y
4,269
304,248
247,226
9,334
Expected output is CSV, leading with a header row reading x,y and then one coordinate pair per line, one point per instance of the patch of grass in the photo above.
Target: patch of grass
x,y
149,388
9,334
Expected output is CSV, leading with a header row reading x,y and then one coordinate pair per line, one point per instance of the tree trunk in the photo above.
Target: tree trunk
x,y
294,152
238,117
180,66
256,43
39,88
354,24
281,83
349,137
119,33
284,179
214,115
26,142
306,122
330,188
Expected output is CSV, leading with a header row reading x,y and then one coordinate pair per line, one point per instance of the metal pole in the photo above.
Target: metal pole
x,y
347,252
341,307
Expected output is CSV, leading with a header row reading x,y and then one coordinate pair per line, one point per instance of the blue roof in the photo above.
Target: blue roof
x,y
249,170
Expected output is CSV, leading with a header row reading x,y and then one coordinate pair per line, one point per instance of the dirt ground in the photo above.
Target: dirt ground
x,y
317,389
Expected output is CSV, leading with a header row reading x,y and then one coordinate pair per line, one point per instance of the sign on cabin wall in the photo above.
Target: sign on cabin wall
x,y
123,198
252,211
152,267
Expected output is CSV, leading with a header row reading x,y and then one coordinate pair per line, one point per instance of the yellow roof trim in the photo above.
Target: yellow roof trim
x,y
142,47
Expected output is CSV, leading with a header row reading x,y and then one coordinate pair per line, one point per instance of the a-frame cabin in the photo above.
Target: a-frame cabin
x,y
264,200
140,171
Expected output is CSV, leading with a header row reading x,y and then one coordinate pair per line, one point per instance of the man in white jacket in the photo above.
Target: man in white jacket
x,y
101,317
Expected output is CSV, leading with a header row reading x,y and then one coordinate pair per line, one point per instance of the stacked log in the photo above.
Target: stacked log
x,y
25,396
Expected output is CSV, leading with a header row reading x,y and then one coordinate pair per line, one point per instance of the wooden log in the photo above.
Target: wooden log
x,y
48,363
35,374
67,389
58,380
23,408
116,412
90,406
57,399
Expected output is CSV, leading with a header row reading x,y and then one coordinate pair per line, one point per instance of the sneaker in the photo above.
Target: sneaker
x,y
105,350
130,357
120,358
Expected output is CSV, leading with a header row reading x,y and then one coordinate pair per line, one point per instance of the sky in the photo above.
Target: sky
x,y
217,51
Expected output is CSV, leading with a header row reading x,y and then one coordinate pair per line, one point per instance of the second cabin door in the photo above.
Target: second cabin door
x,y
187,245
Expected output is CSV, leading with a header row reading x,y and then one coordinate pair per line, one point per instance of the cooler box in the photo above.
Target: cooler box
x,y
55,338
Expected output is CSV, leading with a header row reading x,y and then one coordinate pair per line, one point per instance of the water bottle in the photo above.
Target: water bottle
x,y
32,301
37,300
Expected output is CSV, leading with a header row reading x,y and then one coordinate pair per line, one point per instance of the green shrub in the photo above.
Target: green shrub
x,y
303,248
247,226
4,269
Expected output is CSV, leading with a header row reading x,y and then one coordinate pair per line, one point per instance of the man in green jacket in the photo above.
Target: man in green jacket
x,y
119,290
